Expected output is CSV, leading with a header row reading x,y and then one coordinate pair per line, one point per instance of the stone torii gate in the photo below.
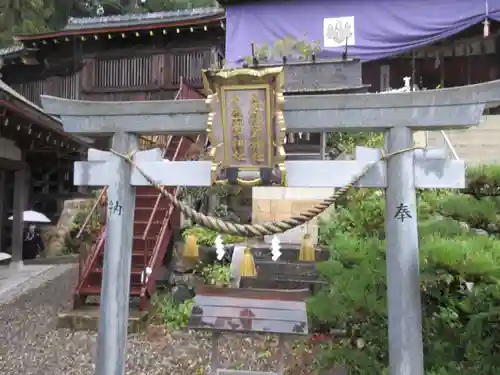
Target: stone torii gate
x,y
397,114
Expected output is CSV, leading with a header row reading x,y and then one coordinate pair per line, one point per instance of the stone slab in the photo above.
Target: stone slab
x,y
174,173
87,319
322,75
50,261
166,173
243,372
290,193
294,236
433,173
17,281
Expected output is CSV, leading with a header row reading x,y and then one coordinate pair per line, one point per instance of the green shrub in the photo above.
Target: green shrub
x,y
175,316
483,181
216,274
362,213
457,323
480,214
206,237
460,276
445,227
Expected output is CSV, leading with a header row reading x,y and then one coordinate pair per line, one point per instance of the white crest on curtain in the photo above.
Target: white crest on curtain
x,y
337,30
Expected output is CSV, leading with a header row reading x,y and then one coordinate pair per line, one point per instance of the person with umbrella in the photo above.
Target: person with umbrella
x,y
32,240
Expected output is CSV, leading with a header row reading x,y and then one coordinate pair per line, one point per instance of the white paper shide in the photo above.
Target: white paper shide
x,y
219,247
337,30
275,248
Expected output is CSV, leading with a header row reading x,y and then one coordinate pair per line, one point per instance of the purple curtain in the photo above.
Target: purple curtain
x,y
381,27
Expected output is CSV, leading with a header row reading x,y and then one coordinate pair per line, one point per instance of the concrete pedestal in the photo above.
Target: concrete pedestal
x,y
278,203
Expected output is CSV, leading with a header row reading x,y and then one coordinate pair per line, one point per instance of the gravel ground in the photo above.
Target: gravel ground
x,y
30,344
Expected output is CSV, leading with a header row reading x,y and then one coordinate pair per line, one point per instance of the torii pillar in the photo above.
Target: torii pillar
x,y
397,114
105,168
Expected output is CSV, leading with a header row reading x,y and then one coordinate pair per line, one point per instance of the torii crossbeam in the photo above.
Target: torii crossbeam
x,y
397,114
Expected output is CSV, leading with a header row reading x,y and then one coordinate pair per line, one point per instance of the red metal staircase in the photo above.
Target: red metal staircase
x,y
154,222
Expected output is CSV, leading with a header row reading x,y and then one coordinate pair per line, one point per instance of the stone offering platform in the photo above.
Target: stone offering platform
x,y
288,272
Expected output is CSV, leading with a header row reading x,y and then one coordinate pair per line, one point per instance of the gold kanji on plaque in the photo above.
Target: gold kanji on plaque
x,y
246,126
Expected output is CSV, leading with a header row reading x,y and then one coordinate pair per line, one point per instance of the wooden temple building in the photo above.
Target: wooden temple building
x,y
122,57
154,56
131,57
36,162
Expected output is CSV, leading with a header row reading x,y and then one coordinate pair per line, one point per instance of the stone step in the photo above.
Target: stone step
x,y
289,253
296,148
284,269
277,283
304,156
86,318
242,372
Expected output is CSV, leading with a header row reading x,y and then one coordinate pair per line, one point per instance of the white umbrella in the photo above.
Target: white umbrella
x,y
4,256
33,217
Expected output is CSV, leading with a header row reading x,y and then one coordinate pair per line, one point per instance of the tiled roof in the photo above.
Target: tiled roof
x,y
138,19
10,50
54,124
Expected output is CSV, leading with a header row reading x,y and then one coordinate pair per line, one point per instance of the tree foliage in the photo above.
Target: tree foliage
x,y
23,16
37,16
341,142
166,5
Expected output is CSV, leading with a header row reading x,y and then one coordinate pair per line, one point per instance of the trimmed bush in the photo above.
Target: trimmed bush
x,y
460,275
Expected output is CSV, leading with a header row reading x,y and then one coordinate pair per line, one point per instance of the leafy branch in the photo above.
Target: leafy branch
x,y
284,50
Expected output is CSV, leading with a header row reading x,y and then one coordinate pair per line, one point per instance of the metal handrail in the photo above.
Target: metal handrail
x,y
154,256
147,261
103,192
94,207
158,198
85,267
169,140
450,146
166,221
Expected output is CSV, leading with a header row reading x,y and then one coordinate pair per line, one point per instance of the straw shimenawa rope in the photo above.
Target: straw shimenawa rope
x,y
259,230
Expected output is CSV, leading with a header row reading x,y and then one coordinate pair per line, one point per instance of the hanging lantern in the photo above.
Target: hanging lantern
x,y
246,126
486,28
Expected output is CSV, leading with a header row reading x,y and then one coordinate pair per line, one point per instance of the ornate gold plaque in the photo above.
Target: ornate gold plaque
x,y
246,126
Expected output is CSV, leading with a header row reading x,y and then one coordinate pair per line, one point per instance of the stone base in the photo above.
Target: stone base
x,y
278,203
87,319
221,371
61,259
294,236
54,235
